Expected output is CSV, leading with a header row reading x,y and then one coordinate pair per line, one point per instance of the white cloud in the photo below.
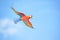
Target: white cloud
x,y
4,22
10,27
11,31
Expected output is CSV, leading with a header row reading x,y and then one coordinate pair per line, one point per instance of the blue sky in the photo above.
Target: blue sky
x,y
45,20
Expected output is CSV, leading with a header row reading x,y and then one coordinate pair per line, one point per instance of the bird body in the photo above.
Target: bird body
x,y
24,18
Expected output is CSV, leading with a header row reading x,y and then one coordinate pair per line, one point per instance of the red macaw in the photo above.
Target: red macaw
x,y
23,17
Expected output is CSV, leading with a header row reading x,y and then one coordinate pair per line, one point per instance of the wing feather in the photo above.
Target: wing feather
x,y
28,23
18,13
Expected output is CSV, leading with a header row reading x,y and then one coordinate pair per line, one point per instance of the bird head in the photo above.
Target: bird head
x,y
30,16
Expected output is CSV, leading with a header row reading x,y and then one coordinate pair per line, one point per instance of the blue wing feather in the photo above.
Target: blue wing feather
x,y
16,21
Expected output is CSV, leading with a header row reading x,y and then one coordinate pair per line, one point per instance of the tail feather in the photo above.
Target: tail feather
x,y
16,21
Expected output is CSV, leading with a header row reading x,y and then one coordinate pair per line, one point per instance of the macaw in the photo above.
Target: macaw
x,y
23,18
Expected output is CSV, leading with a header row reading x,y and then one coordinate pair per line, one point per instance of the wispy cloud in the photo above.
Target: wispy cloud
x,y
11,31
7,26
3,22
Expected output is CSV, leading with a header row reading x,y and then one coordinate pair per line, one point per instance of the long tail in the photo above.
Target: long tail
x,y
13,9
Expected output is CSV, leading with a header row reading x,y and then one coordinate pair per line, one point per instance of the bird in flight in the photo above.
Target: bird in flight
x,y
23,18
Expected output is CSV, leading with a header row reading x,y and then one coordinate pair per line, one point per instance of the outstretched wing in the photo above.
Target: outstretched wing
x,y
28,23
19,13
